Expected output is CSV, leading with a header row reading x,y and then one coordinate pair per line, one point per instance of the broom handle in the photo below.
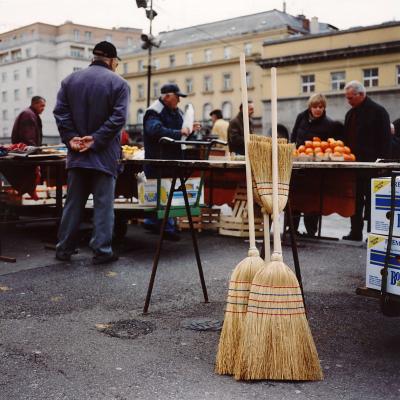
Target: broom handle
x,y
267,249
253,251
275,196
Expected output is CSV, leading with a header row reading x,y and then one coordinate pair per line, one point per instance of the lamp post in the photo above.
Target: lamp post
x,y
148,40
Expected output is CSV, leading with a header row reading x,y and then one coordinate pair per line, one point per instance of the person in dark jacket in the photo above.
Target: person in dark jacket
x,y
28,125
91,111
396,139
310,123
163,119
236,132
367,128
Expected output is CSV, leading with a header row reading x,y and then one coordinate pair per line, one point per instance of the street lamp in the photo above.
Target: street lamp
x,y
148,40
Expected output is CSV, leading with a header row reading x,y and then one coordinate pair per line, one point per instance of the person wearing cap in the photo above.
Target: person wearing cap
x,y
163,119
91,110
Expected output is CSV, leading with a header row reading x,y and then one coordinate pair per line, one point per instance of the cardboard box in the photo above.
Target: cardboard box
x,y
376,252
147,192
380,206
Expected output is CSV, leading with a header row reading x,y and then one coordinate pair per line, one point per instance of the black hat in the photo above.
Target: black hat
x,y
172,88
105,49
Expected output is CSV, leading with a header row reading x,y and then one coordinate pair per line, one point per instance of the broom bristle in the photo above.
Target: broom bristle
x,y
235,312
276,339
268,139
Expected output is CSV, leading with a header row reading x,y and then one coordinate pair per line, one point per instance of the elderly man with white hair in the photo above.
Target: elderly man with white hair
x,y
367,132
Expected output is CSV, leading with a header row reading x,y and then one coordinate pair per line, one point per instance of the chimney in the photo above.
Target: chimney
x,y
314,25
305,21
284,7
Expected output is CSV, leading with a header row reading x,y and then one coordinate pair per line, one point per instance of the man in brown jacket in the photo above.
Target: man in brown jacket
x,y
28,125
236,132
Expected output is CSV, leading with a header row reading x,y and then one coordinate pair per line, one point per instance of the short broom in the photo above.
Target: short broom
x,y
244,272
276,342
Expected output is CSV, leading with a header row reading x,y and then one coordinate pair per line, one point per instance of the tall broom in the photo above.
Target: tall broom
x,y
243,274
276,342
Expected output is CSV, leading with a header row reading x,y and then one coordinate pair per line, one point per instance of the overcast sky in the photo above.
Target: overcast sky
x,y
175,14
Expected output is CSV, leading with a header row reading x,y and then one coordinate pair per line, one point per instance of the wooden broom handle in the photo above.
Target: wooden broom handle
x,y
275,197
249,183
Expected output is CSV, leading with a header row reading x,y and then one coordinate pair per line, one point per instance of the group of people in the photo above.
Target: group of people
x,y
91,110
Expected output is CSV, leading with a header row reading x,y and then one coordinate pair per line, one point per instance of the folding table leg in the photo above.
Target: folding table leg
x,y
195,245
159,246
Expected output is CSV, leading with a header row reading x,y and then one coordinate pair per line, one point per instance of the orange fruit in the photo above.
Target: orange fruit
x,y
316,139
324,145
337,154
319,154
352,156
316,143
301,149
339,143
328,150
295,153
332,144
309,150
347,157
330,140
346,150
308,143
338,149
317,150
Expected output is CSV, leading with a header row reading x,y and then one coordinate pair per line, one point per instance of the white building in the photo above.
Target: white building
x,y
35,58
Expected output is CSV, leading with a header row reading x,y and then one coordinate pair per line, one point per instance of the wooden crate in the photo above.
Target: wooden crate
x,y
237,224
208,220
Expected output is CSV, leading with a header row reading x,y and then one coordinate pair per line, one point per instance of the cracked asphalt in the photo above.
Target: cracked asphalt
x,y
51,346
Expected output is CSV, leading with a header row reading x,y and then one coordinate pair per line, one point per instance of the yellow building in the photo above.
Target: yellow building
x,y
204,61
323,63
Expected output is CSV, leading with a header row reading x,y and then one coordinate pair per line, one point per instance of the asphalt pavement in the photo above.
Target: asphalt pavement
x,y
76,331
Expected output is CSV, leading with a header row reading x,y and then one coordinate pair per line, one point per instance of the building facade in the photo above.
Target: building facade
x,y
204,61
325,62
35,58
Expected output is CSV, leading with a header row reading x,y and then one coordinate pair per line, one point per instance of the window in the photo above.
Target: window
x,y
156,64
4,114
189,85
140,65
29,72
109,38
16,55
5,131
16,75
307,83
28,53
16,112
139,116
207,55
156,89
4,76
29,92
227,110
16,94
189,58
207,84
227,52
338,80
398,74
207,108
371,77
76,69
4,96
248,49
3,58
76,35
88,36
77,52
249,79
226,79
125,67
140,89
172,60
129,41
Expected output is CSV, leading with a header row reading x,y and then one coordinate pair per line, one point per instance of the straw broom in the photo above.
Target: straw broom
x,y
276,342
244,272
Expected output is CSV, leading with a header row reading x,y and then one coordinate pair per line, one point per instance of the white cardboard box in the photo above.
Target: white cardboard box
x,y
147,192
380,206
376,251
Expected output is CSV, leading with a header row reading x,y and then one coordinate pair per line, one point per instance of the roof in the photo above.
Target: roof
x,y
233,27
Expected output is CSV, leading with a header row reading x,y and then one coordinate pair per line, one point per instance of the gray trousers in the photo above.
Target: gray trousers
x,y
82,182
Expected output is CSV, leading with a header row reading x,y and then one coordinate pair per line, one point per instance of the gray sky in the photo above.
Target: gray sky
x,y
175,14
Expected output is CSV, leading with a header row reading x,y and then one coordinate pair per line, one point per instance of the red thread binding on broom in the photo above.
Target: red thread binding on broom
x,y
277,315
276,301
241,282
277,287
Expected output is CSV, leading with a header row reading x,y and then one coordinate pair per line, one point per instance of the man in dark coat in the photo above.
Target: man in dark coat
x,y
236,132
28,125
367,131
91,111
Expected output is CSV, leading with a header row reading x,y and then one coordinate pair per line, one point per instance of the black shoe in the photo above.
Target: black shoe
x,y
353,236
104,258
60,256
172,236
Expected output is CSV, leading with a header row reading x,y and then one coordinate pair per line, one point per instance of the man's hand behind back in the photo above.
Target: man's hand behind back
x,y
86,143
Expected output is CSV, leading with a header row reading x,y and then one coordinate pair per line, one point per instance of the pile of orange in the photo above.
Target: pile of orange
x,y
321,150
